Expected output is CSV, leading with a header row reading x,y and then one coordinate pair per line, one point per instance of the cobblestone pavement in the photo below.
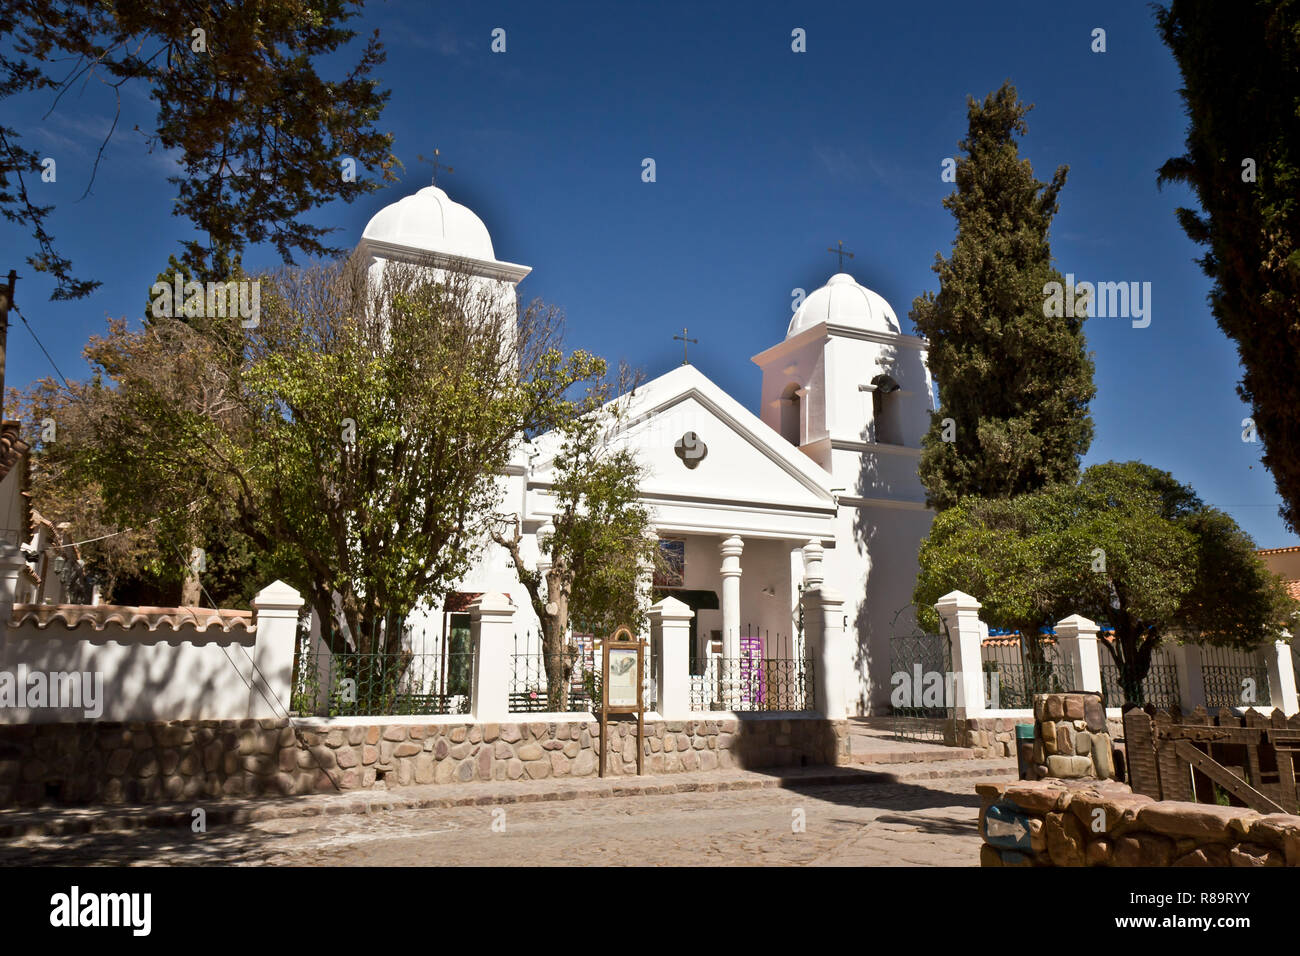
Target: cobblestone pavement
x,y
922,822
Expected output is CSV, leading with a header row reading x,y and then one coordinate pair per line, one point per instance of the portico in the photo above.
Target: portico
x,y
744,592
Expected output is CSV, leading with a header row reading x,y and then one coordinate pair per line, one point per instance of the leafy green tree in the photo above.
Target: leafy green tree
x,y
354,440
262,135
1015,381
1127,546
603,541
1239,63
149,562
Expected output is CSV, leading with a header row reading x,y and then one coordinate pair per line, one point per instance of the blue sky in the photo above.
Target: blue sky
x,y
764,158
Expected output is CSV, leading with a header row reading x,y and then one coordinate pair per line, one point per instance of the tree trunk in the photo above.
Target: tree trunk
x,y
557,656
190,590
1135,659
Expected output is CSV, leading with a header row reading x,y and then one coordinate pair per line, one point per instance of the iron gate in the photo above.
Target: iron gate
x,y
921,693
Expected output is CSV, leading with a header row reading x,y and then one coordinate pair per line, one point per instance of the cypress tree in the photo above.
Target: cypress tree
x,y
1014,380
1241,84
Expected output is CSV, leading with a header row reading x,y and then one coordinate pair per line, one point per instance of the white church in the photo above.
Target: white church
x,y
819,483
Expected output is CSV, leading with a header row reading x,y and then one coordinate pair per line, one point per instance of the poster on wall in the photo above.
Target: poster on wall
x,y
623,684
672,570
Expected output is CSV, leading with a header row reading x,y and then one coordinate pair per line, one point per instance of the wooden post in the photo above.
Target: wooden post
x,y
623,640
640,708
604,708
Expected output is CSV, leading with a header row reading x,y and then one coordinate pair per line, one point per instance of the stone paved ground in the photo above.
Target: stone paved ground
x,y
922,820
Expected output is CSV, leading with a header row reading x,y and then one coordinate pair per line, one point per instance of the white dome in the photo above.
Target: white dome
x,y
841,301
430,221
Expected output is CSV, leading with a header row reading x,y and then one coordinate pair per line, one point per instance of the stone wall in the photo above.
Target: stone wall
x,y
996,736
989,736
1103,823
94,762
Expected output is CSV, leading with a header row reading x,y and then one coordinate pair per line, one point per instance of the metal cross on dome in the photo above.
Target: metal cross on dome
x,y
436,165
841,253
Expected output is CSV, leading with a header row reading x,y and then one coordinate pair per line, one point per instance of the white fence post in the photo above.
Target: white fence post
x,y
491,617
960,615
276,608
670,638
823,616
1076,636
1281,677
1191,681
12,564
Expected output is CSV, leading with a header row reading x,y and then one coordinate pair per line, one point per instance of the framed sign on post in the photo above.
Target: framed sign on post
x,y
622,664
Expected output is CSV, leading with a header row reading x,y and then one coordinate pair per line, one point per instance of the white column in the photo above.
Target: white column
x,y
491,623
645,583
960,615
670,636
1191,683
12,564
275,609
543,537
1076,636
731,550
823,620
1281,677
813,576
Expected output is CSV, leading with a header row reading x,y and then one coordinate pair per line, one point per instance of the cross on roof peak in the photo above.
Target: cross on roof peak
x,y
684,340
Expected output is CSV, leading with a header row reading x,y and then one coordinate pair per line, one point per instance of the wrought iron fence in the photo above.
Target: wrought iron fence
x,y
400,677
753,683
1014,673
1233,677
529,684
921,704
1159,687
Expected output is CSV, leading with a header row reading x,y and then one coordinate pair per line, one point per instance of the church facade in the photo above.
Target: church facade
x,y
818,484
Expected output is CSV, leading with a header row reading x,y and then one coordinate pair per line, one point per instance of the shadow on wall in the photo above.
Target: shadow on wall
x,y
887,540
179,674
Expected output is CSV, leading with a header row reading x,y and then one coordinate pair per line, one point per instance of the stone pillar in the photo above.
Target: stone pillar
x,y
1191,683
1281,677
960,615
491,623
1076,636
731,550
670,637
275,610
828,647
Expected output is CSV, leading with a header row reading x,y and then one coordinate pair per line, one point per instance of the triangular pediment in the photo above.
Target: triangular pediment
x,y
738,461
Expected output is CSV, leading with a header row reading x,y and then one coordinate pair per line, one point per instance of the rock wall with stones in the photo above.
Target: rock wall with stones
x,y
1103,823
988,736
1073,738
996,736
92,762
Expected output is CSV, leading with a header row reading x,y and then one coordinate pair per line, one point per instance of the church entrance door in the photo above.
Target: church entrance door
x,y
697,601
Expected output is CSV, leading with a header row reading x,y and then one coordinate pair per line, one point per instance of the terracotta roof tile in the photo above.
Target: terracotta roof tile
x,y
1290,550
98,616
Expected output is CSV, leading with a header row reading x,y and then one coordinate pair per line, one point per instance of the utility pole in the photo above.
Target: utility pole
x,y
6,300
